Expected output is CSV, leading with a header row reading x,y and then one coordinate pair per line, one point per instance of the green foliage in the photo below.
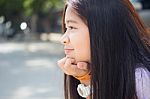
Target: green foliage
x,y
41,6
9,7
28,7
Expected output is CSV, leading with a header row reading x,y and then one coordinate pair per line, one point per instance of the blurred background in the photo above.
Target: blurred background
x,y
29,47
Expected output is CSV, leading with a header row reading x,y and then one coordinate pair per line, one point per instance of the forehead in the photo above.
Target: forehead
x,y
71,15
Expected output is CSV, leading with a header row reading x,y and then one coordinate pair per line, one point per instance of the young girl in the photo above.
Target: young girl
x,y
107,51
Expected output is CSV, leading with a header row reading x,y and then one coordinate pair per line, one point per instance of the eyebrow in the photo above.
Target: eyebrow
x,y
71,21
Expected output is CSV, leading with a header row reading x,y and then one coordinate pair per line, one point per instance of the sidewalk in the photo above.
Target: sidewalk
x,y
30,71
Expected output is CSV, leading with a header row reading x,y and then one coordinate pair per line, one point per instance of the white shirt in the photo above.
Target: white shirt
x,y
142,76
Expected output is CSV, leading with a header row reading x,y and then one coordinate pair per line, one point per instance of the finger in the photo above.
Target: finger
x,y
62,61
69,62
72,69
73,61
67,66
77,71
83,65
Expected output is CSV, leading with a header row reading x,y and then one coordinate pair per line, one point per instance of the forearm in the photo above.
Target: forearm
x,y
88,97
87,82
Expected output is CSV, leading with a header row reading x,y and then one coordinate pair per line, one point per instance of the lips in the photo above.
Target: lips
x,y
67,51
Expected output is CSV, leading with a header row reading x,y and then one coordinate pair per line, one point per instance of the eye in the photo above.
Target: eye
x,y
71,28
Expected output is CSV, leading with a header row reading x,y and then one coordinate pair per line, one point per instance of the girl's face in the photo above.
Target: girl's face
x,y
76,38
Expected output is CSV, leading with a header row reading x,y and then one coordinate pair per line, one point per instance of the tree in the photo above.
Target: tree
x,y
36,7
16,9
41,6
11,7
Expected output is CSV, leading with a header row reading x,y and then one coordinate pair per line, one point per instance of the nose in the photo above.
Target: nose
x,y
64,39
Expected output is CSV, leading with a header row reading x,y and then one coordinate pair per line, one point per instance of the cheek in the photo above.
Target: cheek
x,y
82,49
82,55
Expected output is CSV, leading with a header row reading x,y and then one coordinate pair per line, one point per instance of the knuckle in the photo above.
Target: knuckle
x,y
59,63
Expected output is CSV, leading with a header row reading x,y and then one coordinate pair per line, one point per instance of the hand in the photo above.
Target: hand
x,y
70,67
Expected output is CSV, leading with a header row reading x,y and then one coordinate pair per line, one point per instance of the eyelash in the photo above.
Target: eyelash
x,y
70,27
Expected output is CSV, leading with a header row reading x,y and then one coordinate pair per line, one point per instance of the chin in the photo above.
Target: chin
x,y
69,56
83,60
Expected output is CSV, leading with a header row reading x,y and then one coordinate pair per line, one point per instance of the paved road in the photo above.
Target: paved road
x,y
30,71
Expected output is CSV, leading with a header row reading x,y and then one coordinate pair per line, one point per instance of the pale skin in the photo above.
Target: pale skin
x,y
76,43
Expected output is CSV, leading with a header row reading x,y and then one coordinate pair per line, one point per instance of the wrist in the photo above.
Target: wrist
x,y
84,89
85,82
85,77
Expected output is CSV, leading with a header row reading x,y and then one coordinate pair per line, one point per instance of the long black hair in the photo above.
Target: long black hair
x,y
119,41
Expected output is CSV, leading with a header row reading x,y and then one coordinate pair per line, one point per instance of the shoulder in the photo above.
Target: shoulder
x,y
142,76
